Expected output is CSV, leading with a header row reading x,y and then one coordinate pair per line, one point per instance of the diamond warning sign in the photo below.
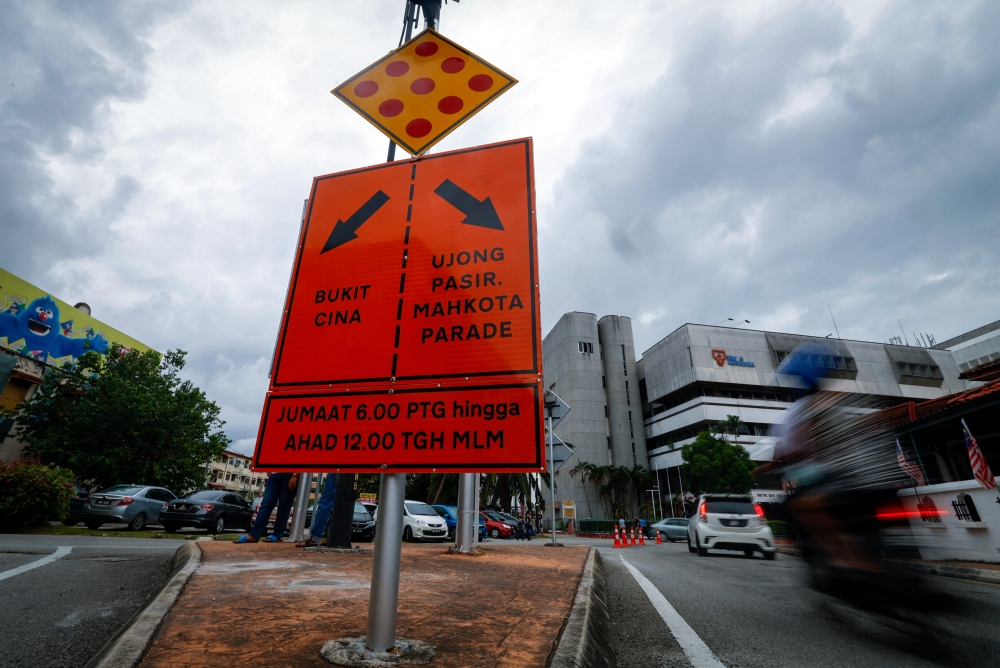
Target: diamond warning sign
x,y
416,270
422,91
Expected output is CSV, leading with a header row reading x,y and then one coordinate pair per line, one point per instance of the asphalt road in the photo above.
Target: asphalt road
x,y
751,612
61,612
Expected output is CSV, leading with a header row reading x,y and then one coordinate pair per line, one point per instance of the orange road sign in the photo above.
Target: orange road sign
x,y
453,429
416,270
423,90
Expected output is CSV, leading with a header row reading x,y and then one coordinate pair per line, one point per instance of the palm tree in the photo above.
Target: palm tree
x,y
731,425
582,469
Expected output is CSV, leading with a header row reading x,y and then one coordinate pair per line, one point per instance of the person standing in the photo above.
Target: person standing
x,y
642,527
279,490
322,514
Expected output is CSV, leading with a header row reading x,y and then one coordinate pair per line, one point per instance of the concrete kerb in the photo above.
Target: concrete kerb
x,y
585,641
948,570
129,645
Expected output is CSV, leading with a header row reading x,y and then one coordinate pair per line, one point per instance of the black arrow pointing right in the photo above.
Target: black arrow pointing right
x,y
343,232
480,214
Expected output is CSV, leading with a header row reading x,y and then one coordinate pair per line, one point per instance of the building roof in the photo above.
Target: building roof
x,y
979,331
911,411
983,372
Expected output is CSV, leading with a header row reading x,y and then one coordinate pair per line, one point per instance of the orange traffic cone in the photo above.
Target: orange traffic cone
x,y
617,543
632,536
642,537
624,538
659,539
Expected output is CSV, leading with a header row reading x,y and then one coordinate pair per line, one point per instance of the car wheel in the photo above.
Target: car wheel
x,y
170,528
138,522
769,556
70,522
218,526
702,551
690,546
748,552
494,533
408,534
93,526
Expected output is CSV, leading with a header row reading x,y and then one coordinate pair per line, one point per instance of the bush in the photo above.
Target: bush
x,y
31,494
781,529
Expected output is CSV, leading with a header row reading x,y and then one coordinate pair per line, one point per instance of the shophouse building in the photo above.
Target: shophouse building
x,y
232,472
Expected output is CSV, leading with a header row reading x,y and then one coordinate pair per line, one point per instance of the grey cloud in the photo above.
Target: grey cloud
x,y
793,164
61,63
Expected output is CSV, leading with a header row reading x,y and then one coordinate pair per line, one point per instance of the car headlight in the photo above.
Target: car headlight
x,y
507,526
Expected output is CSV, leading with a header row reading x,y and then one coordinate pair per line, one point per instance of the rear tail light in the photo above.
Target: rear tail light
x,y
760,513
207,506
703,511
127,500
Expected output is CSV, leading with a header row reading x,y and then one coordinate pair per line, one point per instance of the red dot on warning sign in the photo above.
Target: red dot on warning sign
x,y
426,49
397,68
366,89
422,86
481,82
452,65
391,108
418,127
450,105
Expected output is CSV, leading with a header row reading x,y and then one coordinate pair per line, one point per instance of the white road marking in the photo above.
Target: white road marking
x,y
58,554
694,647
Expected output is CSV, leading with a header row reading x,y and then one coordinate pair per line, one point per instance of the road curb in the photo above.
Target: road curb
x,y
585,641
947,570
127,647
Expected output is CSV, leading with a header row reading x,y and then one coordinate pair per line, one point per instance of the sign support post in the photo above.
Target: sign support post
x,y
466,529
301,501
384,597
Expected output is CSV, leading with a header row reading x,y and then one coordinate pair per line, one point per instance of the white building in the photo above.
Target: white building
x,y
232,472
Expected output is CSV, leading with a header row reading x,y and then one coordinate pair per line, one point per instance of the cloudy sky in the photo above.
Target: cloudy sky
x,y
695,160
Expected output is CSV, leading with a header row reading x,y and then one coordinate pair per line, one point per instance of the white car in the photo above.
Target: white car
x,y
421,521
729,522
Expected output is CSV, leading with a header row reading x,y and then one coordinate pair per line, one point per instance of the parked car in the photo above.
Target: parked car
x,y
672,528
496,526
370,507
207,509
421,521
135,505
450,515
513,521
729,522
363,526
76,506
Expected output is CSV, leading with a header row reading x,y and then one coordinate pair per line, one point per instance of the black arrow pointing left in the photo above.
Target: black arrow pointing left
x,y
345,231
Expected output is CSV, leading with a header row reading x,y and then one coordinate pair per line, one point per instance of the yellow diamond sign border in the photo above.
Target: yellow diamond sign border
x,y
401,91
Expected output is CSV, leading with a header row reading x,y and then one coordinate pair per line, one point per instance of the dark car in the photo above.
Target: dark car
x,y
207,509
76,506
363,526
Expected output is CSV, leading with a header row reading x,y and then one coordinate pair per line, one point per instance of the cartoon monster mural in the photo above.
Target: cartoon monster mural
x,y
38,324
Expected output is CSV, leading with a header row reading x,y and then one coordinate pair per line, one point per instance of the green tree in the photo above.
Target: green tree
x,y
713,465
732,425
124,418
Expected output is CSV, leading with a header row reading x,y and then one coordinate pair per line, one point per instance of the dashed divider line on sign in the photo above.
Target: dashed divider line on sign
x,y
695,649
58,554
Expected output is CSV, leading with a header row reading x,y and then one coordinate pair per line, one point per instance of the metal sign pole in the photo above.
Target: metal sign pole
x,y
384,595
466,529
552,478
301,504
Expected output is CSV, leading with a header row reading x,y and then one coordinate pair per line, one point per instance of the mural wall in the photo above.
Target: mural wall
x,y
37,325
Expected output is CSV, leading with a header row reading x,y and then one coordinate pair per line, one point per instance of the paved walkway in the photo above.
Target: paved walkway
x,y
273,605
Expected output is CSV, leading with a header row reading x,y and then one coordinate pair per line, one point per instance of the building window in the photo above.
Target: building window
x,y
609,442
586,347
606,413
604,381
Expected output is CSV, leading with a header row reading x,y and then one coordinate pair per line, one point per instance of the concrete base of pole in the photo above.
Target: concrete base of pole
x,y
476,551
353,652
554,545
338,550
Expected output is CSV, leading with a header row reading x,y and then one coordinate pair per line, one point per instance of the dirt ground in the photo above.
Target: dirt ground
x,y
273,605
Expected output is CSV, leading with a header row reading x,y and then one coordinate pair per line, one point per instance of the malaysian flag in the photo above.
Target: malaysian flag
x,y
980,468
910,467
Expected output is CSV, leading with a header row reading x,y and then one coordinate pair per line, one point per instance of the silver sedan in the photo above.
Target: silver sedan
x,y
672,528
